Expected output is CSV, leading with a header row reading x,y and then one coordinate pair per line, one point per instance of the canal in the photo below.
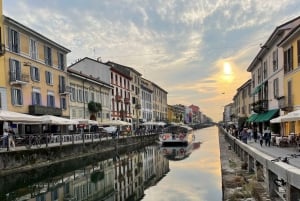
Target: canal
x,y
191,173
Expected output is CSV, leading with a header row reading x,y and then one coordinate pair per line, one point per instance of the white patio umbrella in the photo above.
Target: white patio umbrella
x,y
86,121
115,123
50,119
276,120
18,117
292,116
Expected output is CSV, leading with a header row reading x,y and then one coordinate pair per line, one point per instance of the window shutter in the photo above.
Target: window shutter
x,y
13,101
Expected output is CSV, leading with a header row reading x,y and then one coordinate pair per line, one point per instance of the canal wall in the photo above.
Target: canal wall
x,y
21,160
280,180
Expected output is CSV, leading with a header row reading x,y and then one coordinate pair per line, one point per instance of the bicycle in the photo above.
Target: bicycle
x,y
32,140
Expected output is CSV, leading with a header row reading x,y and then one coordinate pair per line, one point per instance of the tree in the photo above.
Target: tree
x,y
94,108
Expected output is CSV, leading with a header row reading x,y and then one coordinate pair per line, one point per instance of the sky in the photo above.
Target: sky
x,y
196,50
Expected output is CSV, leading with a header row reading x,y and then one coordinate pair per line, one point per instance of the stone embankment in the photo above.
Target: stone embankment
x,y
237,182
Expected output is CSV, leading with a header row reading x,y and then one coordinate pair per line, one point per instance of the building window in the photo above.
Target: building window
x,y
275,60
48,55
288,60
289,93
36,97
49,78
14,41
86,96
265,69
16,96
73,93
61,61
92,96
62,84
80,95
34,73
33,49
63,103
50,99
15,70
275,88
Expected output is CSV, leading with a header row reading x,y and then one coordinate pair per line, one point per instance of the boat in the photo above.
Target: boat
x,y
176,134
176,152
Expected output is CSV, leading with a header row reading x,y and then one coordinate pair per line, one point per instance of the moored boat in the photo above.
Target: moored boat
x,y
176,152
177,134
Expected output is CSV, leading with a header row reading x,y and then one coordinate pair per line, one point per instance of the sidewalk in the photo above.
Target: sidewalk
x,y
276,152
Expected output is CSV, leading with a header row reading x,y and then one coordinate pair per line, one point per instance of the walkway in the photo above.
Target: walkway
x,y
292,153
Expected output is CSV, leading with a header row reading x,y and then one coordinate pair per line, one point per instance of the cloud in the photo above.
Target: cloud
x,y
179,45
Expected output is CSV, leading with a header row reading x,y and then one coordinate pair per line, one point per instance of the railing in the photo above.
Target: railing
x,y
18,78
35,141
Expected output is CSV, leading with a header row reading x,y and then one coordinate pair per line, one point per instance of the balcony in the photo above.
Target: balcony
x,y
260,106
63,89
41,110
118,98
18,78
126,100
286,104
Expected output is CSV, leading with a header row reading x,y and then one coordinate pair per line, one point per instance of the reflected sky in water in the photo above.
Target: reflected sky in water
x,y
196,178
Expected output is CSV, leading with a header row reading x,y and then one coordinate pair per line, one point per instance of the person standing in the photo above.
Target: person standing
x,y
244,135
5,142
11,138
255,134
261,138
267,136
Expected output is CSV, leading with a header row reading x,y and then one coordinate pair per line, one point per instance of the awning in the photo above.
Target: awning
x,y
266,116
258,88
252,117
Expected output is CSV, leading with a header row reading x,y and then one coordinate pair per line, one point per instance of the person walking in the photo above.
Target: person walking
x,y
255,134
244,135
5,142
261,138
267,136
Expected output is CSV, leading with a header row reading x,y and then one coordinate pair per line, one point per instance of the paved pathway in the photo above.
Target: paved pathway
x,y
276,151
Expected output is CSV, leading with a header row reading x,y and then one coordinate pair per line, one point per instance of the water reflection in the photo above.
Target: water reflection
x,y
178,151
124,176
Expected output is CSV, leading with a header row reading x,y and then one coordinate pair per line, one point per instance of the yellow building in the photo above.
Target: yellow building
x,y
2,71
291,62
35,71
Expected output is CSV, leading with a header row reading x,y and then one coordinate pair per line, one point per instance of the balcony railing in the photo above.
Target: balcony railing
x,y
118,98
63,89
286,104
41,110
18,78
126,100
260,106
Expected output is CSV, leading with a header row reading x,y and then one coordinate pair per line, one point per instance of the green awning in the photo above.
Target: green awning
x,y
266,116
257,89
252,118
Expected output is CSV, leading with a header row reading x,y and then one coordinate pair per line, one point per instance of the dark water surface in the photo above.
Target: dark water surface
x,y
196,178
152,173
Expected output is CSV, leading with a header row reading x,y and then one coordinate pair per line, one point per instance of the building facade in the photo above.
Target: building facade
x,y
35,73
89,81
146,100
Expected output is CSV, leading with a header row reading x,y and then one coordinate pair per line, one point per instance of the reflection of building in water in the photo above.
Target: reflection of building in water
x,y
95,182
128,177
125,178
155,166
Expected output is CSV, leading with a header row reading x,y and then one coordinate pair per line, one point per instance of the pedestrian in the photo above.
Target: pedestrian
x,y
244,135
267,136
249,130
5,139
255,134
11,138
261,138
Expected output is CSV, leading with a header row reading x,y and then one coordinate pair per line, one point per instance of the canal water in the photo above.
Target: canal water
x,y
153,173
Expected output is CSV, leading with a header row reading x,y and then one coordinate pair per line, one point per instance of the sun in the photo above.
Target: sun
x,y
227,68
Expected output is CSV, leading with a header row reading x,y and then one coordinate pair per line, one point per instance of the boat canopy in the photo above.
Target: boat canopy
x,y
174,129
